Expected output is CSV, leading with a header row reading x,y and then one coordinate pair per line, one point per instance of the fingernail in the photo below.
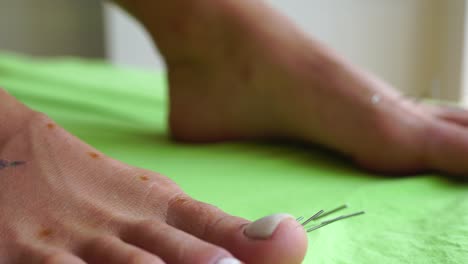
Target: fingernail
x,y
229,261
265,227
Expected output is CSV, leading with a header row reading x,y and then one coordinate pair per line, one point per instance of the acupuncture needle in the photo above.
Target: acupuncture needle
x,y
312,218
334,220
332,211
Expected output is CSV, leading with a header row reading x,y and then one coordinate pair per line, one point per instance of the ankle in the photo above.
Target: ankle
x,y
177,25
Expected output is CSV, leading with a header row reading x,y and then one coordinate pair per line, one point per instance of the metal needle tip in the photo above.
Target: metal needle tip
x,y
344,206
334,220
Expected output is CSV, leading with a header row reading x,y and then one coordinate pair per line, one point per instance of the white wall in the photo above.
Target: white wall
x,y
450,64
413,44
52,27
464,90
127,42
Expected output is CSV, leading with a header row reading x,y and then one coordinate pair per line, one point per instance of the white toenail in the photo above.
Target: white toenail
x,y
265,227
229,261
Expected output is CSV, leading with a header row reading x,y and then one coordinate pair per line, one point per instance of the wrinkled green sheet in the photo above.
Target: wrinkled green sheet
x,y
420,219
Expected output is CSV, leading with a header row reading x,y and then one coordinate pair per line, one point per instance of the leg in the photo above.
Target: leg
x,y
61,201
239,69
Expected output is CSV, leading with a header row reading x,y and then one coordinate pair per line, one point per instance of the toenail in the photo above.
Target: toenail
x,y
229,261
265,227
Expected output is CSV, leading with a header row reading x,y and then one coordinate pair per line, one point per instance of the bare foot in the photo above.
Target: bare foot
x,y
238,69
62,201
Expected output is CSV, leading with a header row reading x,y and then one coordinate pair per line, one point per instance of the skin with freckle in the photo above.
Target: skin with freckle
x,y
237,69
54,208
45,233
144,178
93,155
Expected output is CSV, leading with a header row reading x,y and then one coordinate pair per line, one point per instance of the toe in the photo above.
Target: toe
x,y
275,239
173,245
35,252
452,114
114,251
62,258
447,147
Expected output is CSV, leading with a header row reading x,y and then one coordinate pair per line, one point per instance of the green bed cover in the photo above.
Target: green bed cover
x,y
122,112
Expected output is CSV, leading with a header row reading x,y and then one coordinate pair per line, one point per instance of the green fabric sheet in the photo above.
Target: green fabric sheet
x,y
122,112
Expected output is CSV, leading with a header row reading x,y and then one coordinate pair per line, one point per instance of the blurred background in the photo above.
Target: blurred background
x,y
416,45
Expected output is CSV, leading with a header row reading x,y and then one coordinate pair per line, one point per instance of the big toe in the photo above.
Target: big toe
x,y
275,239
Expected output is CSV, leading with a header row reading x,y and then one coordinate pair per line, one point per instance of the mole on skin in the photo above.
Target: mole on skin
x,y
93,155
144,178
44,233
50,126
